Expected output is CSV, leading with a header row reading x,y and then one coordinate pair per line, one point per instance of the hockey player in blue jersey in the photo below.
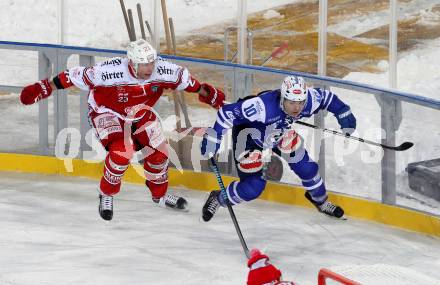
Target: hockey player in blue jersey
x,y
265,121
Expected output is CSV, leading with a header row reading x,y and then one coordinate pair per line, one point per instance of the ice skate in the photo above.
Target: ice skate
x,y
106,207
326,207
172,201
211,205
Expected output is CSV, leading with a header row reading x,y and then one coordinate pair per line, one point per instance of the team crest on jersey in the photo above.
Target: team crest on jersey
x,y
154,88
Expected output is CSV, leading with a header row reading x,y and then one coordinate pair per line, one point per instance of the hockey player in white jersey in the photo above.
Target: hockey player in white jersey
x,y
265,121
122,92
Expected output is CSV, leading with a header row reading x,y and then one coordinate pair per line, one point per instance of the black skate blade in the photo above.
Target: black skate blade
x,y
184,210
343,218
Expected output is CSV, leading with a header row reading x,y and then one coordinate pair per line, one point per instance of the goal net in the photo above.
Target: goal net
x,y
376,274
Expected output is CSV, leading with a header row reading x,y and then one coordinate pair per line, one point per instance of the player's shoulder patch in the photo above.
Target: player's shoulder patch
x,y
253,109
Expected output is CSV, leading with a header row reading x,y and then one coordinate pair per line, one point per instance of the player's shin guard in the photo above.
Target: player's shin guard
x,y
308,171
111,181
156,176
317,195
316,188
245,190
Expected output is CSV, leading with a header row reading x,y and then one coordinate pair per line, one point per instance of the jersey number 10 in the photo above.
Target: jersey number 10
x,y
250,110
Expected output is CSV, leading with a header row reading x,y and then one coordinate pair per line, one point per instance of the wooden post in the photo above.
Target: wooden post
x,y
168,40
133,32
127,24
173,36
149,30
141,22
166,25
180,96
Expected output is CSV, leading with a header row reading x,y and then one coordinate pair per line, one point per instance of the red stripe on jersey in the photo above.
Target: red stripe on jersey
x,y
179,76
86,78
131,70
193,86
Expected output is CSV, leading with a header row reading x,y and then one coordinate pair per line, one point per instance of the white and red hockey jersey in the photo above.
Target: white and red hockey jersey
x,y
114,88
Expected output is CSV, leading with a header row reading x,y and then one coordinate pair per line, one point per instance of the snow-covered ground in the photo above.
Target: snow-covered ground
x,y
362,22
86,23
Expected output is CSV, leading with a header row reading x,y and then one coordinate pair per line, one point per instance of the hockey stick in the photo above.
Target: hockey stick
x,y
402,147
277,53
214,168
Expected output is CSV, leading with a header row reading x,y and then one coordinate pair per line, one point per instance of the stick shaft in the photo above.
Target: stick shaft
x,y
404,146
214,168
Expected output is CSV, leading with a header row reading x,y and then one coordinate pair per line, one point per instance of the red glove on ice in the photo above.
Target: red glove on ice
x,y
33,93
215,97
261,271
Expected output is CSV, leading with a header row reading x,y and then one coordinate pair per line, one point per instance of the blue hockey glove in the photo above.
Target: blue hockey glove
x,y
210,143
346,120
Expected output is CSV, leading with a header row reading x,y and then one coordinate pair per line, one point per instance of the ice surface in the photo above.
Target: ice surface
x,y
52,234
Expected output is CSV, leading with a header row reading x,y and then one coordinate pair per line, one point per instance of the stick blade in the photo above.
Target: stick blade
x,y
404,146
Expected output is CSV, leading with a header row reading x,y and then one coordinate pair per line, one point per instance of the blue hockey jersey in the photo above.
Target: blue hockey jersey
x,y
263,113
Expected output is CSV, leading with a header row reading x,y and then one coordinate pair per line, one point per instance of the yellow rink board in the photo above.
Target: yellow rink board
x,y
204,181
